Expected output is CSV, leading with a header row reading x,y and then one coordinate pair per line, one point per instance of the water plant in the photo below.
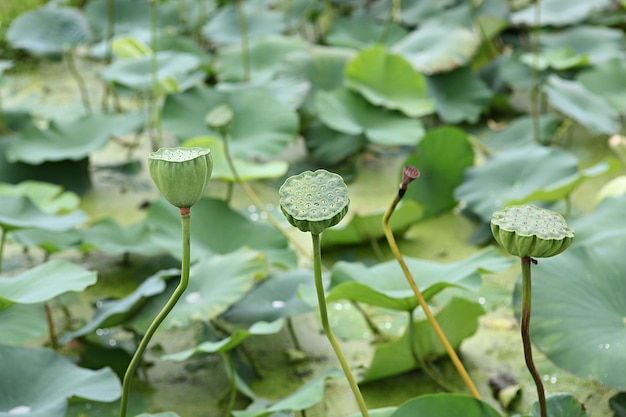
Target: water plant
x,y
531,232
181,175
409,174
313,202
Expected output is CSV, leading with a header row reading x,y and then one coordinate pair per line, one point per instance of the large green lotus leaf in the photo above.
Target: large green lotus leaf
x,y
460,95
445,405
163,414
349,113
559,12
607,80
247,171
605,224
38,383
261,128
18,212
266,56
522,175
130,16
441,156
579,310
558,59
434,47
597,43
378,412
47,31
215,283
110,313
388,80
113,239
275,297
49,198
519,132
224,26
329,146
309,394
292,91
44,282
561,405
174,68
360,32
574,100
216,228
367,227
73,140
22,324
357,282
458,320
48,240
262,328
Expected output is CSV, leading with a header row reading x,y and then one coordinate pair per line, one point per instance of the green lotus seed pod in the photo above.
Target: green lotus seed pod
x,y
181,174
219,118
531,231
314,201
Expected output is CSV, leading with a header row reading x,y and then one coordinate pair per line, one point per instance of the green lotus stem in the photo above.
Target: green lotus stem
x,y
51,332
3,239
185,218
154,96
534,92
230,367
321,298
245,49
525,330
414,173
82,87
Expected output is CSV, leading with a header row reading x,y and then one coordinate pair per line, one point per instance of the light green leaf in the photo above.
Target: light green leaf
x,y
597,43
561,405
441,156
607,80
228,343
360,32
46,31
460,95
347,112
18,212
388,80
38,382
46,281
22,324
558,59
445,405
559,12
49,198
128,47
588,109
331,147
247,171
435,47
356,282
113,239
519,132
364,228
71,140
458,320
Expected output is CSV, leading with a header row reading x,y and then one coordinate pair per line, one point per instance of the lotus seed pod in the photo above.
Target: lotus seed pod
x,y
314,201
531,231
181,174
219,118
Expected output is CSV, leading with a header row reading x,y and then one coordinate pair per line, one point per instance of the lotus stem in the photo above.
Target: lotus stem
x,y
321,298
178,292
409,174
51,332
3,239
82,87
525,330
154,95
534,91
245,48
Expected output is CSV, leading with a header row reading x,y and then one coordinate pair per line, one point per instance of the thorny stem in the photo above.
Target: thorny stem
x,y
525,330
321,298
420,298
178,292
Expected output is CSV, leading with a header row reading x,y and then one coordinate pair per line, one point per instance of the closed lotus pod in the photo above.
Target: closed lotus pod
x,y
314,201
531,231
181,174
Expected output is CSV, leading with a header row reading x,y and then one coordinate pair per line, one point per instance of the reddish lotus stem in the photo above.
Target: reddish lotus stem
x,y
184,211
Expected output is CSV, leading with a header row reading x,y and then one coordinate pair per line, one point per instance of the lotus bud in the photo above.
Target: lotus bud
x,y
314,201
529,231
181,174
219,118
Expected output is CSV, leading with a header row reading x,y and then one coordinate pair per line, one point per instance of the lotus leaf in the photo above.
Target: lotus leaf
x,y
588,109
519,132
22,323
445,405
44,282
349,113
607,80
435,48
559,12
47,31
558,59
71,140
38,383
597,43
458,320
561,405
49,198
113,239
441,156
360,32
356,282
257,131
459,95
247,171
388,80
18,212
288,90
329,146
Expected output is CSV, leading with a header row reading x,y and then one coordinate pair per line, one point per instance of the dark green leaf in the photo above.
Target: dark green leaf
x,y
113,239
561,405
445,405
